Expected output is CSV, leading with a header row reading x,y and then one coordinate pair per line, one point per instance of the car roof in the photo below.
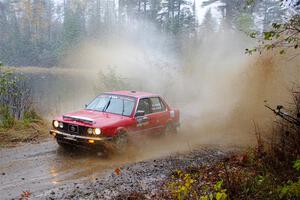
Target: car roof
x,y
136,94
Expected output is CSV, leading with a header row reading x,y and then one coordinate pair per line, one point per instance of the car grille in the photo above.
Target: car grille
x,y
74,129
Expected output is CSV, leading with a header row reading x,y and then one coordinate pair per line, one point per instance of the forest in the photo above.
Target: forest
x,y
41,32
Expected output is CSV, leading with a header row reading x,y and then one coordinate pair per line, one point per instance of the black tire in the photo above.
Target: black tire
x,y
170,129
120,142
64,145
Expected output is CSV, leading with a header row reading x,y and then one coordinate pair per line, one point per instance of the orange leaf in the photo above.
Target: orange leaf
x,y
118,171
25,195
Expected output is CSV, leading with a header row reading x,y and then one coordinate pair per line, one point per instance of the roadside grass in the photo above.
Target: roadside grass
x,y
237,177
31,128
19,122
244,176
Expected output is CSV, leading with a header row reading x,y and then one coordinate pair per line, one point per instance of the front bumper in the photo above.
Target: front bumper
x,y
78,139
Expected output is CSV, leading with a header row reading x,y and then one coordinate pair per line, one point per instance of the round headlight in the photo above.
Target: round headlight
x,y
61,125
97,131
55,124
90,131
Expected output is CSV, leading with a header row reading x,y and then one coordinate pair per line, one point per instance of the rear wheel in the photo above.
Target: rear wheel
x,y
170,129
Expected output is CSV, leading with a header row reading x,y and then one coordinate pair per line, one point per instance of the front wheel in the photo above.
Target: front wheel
x,y
170,129
121,142
64,146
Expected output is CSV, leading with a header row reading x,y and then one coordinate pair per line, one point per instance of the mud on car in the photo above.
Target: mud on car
x,y
114,117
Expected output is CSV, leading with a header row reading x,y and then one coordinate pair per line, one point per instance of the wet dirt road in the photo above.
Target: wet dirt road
x,y
37,167
44,167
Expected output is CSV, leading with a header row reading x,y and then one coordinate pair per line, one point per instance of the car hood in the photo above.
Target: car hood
x,y
93,118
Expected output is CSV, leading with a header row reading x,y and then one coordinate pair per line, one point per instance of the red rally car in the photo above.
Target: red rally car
x,y
114,117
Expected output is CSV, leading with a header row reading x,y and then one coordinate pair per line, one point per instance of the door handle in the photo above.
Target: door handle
x,y
145,119
142,119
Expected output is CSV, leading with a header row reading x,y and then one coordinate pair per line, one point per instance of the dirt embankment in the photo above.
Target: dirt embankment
x,y
23,132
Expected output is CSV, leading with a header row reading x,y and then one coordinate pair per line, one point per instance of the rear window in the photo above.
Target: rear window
x,y
157,105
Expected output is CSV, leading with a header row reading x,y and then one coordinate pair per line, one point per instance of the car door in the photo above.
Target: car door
x,y
159,114
144,123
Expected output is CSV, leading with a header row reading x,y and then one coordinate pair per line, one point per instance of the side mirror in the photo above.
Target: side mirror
x,y
85,106
139,113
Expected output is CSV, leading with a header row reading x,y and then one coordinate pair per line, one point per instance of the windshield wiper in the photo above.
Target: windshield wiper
x,y
106,106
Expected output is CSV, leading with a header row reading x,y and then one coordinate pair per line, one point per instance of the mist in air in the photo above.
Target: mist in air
x,y
202,70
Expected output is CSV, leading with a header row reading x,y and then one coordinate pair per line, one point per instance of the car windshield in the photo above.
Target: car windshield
x,y
112,104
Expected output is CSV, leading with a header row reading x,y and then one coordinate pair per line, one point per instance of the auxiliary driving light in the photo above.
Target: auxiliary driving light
x,y
90,131
61,125
97,131
91,141
56,124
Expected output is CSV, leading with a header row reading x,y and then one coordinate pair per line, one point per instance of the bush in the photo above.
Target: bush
x,y
15,95
283,147
30,116
6,120
291,190
193,184
181,188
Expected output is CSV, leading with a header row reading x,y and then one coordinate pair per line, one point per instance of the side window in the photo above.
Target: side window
x,y
156,105
144,104
163,105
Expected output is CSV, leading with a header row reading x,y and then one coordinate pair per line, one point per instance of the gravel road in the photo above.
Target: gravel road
x,y
145,176
48,172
